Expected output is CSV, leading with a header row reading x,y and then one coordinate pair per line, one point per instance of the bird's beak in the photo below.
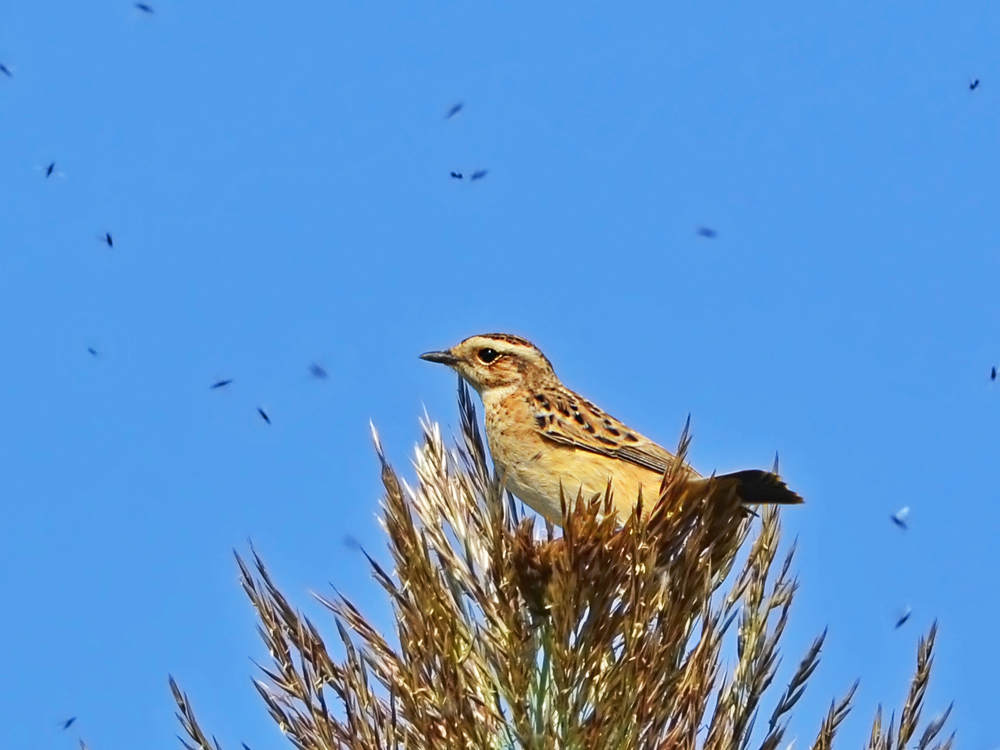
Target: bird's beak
x,y
443,358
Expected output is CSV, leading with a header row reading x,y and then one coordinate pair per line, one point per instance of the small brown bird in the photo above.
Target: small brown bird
x,y
548,442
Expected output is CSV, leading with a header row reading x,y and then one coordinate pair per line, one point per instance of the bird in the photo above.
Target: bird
x,y
263,415
479,174
454,110
457,175
973,84
6,71
904,617
144,8
317,371
707,232
107,239
220,384
548,442
993,374
68,722
900,516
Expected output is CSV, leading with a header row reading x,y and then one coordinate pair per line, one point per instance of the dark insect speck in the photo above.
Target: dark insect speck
x,y
457,175
974,84
317,371
6,71
144,8
707,232
220,384
479,174
993,374
263,415
900,516
455,109
903,618
50,169
69,722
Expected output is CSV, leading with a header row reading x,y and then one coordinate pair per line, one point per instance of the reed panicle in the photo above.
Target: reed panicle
x,y
506,636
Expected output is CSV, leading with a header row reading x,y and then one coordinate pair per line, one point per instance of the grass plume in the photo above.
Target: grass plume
x,y
506,636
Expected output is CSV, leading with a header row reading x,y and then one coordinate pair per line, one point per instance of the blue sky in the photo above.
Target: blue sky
x,y
276,180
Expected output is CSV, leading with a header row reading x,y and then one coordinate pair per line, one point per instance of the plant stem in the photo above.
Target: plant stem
x,y
543,679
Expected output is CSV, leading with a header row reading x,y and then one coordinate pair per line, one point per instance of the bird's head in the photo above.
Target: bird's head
x,y
496,360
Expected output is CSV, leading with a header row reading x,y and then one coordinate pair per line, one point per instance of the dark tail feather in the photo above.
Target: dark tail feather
x,y
756,487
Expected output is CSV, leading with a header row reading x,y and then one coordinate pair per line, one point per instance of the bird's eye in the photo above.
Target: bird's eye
x,y
488,355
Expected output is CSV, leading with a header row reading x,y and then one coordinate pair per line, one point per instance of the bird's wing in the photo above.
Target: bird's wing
x,y
567,419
